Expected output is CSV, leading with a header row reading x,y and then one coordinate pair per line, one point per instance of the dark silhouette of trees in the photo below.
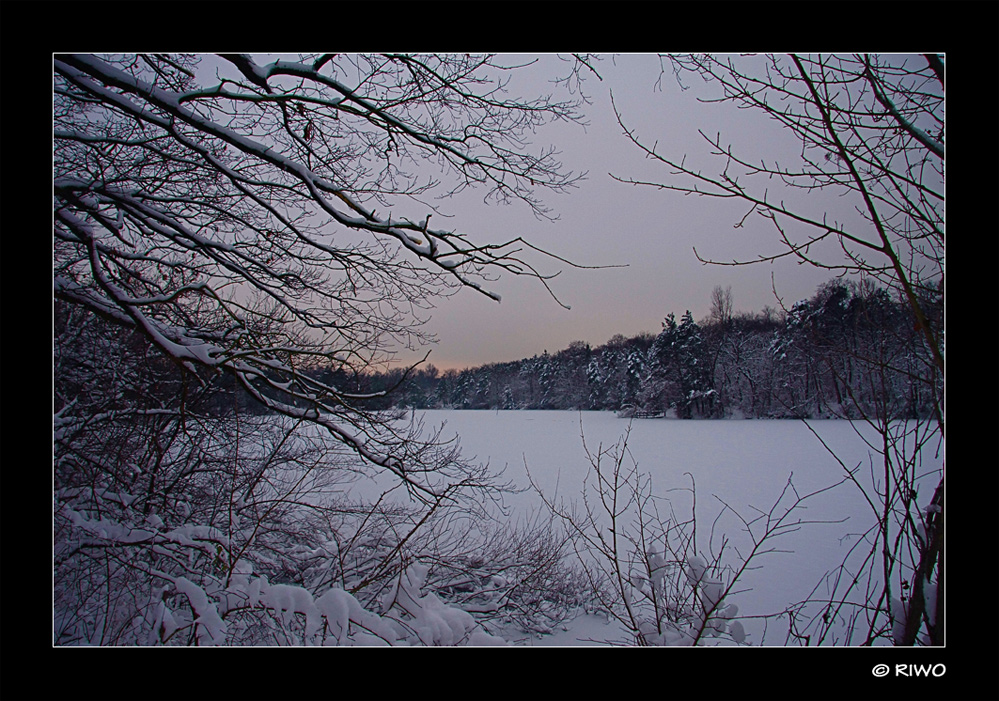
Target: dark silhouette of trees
x,y
817,360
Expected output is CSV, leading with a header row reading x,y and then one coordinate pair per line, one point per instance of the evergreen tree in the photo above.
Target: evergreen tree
x,y
596,380
679,374
692,366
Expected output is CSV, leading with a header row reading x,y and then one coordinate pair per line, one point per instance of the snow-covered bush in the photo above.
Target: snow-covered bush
x,y
238,531
186,523
647,566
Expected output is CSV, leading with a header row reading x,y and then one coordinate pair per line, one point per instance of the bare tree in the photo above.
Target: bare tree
x,y
871,129
224,228
221,221
721,305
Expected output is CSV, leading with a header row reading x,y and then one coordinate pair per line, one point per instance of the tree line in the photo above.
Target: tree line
x,y
840,353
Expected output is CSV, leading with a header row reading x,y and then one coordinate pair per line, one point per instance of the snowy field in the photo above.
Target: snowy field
x,y
745,464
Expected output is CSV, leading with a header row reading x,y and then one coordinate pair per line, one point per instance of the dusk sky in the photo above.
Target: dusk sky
x,y
605,222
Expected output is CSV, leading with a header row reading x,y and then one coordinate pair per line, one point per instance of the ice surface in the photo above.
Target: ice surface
x,y
744,463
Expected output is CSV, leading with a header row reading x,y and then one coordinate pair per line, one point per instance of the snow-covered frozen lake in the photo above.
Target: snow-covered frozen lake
x,y
744,463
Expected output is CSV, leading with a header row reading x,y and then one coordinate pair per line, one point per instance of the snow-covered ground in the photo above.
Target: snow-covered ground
x,y
745,464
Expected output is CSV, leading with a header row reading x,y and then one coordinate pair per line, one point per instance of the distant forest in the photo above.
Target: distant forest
x,y
850,351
